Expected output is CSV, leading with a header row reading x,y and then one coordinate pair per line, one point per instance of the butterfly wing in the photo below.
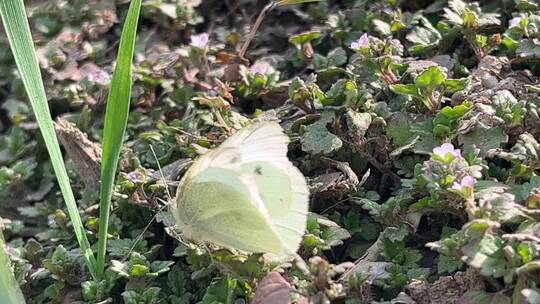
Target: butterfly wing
x,y
269,192
281,186
216,207
285,196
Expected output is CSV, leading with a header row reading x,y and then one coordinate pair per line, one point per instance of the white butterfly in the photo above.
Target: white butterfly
x,y
245,194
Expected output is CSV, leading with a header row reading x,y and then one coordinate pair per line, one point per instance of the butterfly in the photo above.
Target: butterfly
x,y
245,194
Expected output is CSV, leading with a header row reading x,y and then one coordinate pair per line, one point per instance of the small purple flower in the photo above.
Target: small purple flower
x,y
514,22
467,182
259,68
445,149
361,43
375,272
200,41
135,177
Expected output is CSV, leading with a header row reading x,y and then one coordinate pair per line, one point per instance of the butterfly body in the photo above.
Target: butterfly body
x,y
245,194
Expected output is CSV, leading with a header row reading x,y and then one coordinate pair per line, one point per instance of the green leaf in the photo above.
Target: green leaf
x,y
20,39
160,267
450,116
487,255
334,236
448,264
455,85
123,247
318,140
116,116
221,291
304,38
358,123
382,27
528,49
398,129
407,89
337,57
424,38
483,297
430,78
336,93
484,138
9,289
396,234
148,295
293,2
95,291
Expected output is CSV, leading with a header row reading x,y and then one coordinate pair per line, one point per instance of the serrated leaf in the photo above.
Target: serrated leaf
x,y
398,129
123,247
448,264
424,36
528,49
221,290
149,295
318,140
484,138
337,57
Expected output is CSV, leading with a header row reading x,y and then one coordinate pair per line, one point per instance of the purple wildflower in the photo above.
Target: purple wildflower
x,y
467,182
135,177
445,149
362,42
514,22
259,68
200,41
375,272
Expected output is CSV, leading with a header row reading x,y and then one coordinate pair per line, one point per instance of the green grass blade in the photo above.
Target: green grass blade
x,y
18,32
293,2
9,289
115,124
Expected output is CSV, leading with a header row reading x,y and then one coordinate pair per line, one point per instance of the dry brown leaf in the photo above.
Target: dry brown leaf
x,y
274,289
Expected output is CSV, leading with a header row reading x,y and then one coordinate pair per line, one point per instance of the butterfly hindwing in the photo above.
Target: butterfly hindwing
x,y
216,207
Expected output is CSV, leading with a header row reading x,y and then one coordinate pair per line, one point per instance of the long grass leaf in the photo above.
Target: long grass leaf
x,y
293,2
116,116
18,33
9,289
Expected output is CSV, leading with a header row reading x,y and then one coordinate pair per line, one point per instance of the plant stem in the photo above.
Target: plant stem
x,y
265,11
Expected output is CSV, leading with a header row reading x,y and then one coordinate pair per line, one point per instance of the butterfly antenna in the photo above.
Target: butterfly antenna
x,y
140,236
161,173
179,238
